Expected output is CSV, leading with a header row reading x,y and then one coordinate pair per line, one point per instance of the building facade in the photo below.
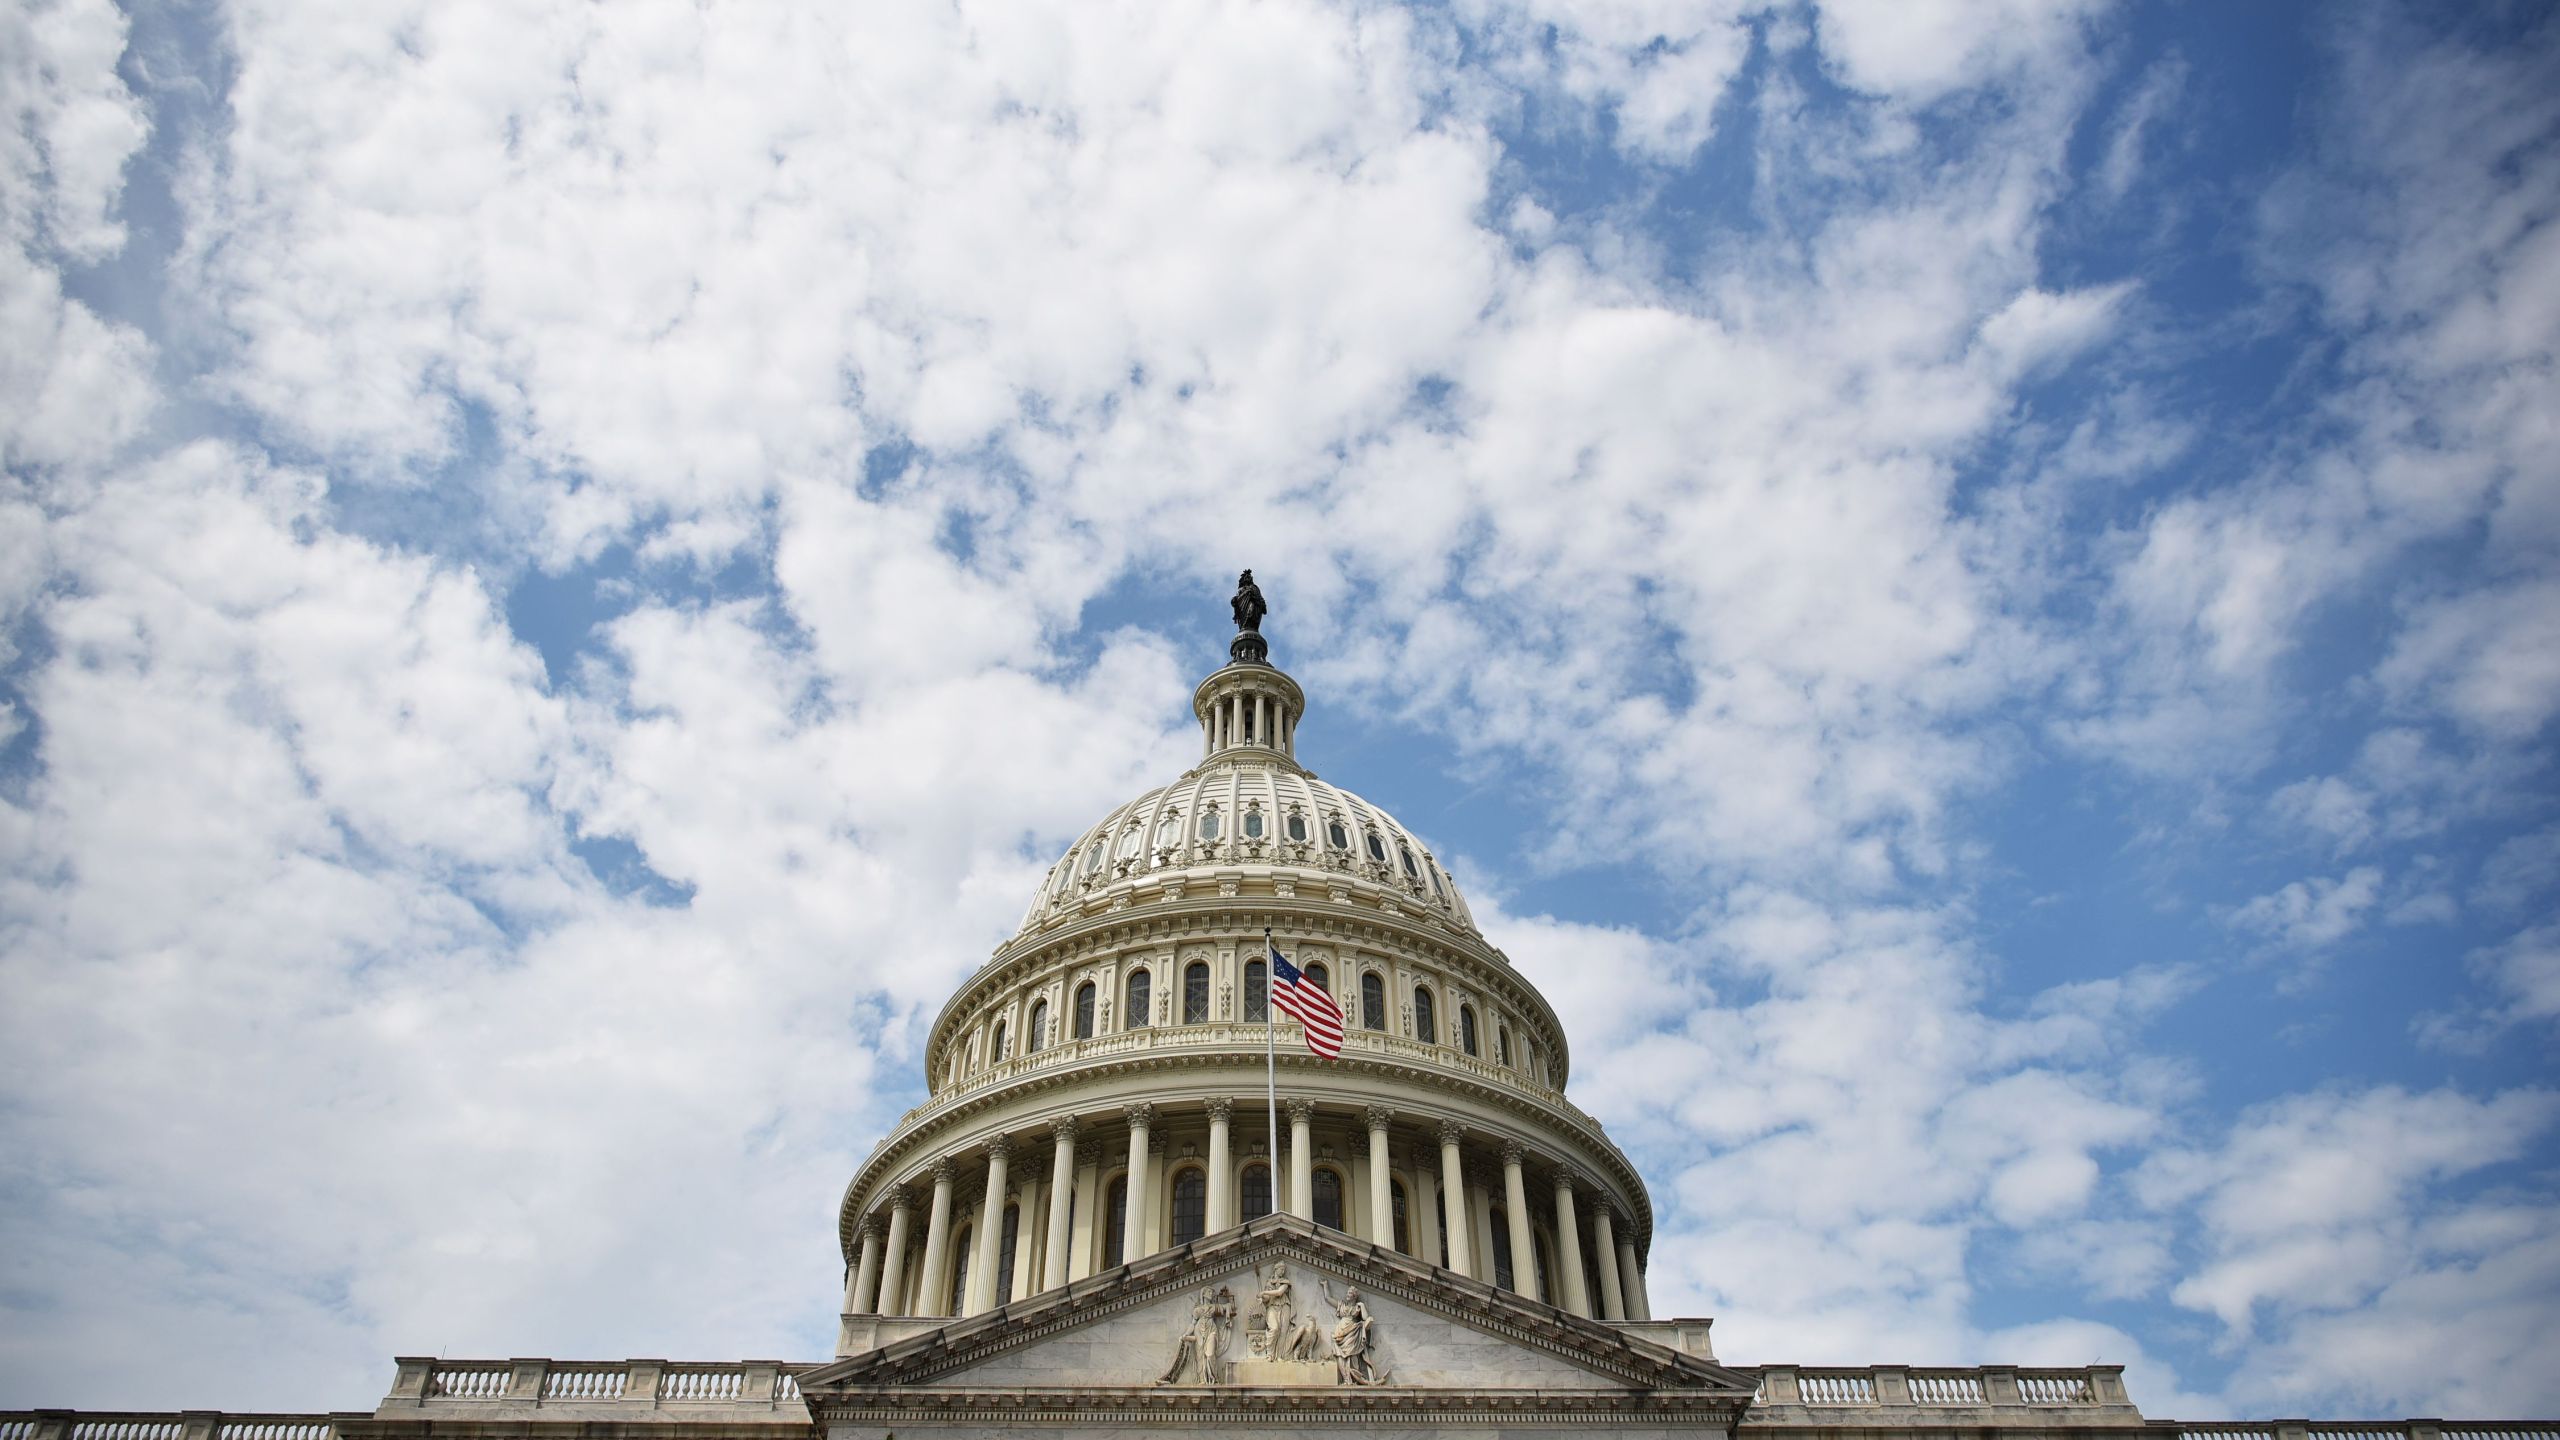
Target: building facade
x,y
1101,1222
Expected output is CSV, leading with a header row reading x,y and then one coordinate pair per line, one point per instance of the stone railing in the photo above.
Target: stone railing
x,y
166,1425
1903,1395
744,1389
2356,1429
1237,1038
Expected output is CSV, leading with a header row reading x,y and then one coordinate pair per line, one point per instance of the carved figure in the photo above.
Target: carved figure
x,y
1352,1362
1202,1350
1247,605
1286,1335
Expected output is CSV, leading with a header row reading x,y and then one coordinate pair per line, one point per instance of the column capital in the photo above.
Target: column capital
x,y
1063,1128
1379,1116
1088,1152
1000,1148
1300,1111
945,1171
1140,1115
1512,1151
1568,1178
873,1227
1222,1108
897,1197
1451,1132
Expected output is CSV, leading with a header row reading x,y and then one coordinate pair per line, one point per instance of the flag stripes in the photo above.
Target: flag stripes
x,y
1297,995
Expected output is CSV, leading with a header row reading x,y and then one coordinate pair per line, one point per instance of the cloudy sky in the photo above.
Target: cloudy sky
x,y
1975,589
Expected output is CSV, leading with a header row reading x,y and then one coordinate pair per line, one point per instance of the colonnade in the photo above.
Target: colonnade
x,y
1057,1229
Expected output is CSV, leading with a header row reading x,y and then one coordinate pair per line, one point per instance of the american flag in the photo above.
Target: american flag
x,y
1292,991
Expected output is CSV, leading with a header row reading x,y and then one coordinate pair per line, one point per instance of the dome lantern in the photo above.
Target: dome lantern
x,y
1248,706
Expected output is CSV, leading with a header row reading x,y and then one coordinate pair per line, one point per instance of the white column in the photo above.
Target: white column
x,y
1302,1164
893,1267
1426,1196
1382,1194
1237,734
1222,1180
1480,1225
1082,1243
937,1241
1062,1185
861,1289
1613,1305
1453,1194
1025,1279
983,1254
1515,1199
1631,1275
1133,1226
1262,720
1569,1247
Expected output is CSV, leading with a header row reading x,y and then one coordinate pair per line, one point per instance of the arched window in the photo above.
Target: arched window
x,y
1005,1252
1328,1188
1084,1011
1036,1037
1502,1275
960,1272
1373,1002
1403,1230
1115,1233
1426,1025
1502,1043
1257,990
1190,1205
999,1051
1409,867
1256,1192
1134,1011
1322,977
1467,1028
1195,993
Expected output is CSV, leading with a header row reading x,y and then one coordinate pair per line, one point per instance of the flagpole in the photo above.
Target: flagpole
x,y
1271,1060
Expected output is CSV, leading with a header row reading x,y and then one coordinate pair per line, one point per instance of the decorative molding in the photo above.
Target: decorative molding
x,y
1062,1127
1220,1108
1000,1147
1379,1117
1452,1133
1139,1115
1300,1111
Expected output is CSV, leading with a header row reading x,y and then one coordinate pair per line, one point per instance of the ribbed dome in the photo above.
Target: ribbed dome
x,y
1248,812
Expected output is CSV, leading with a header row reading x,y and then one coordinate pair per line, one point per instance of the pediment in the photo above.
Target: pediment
x,y
1417,1334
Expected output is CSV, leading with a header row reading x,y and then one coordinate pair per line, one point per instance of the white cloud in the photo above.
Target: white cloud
x,y
2310,914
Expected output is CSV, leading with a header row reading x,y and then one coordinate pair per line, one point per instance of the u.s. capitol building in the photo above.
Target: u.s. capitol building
x,y
1090,1226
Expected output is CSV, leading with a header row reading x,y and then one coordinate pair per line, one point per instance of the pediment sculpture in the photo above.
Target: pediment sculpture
x,y
1285,1346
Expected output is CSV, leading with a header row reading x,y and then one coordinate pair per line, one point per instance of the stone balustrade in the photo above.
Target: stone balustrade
x,y
1831,1397
2355,1429
749,1390
167,1425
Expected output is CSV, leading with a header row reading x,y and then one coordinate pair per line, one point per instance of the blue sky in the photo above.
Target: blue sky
x,y
1972,588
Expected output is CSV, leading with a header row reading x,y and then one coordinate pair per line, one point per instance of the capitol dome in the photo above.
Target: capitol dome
x,y
1099,1090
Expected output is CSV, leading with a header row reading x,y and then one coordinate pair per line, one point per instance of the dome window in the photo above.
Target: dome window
x,y
1036,1035
1208,824
1084,1011
1467,1028
1093,857
1169,829
1377,848
1296,826
1426,1025
1336,836
999,1046
1133,1014
1129,847
1409,867
1195,993
1253,824
1373,1002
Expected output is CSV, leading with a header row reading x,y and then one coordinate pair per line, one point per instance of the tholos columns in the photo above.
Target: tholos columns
x,y
1426,1205
1524,1248
861,1293
1453,1194
893,1270
1133,1225
1062,1189
1302,1164
1604,1244
986,1252
1382,1213
1631,1275
1222,1194
937,1241
1569,1248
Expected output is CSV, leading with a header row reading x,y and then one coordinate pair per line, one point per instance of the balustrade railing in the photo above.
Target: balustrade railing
x,y
1947,1387
1989,1387
141,1425
617,1384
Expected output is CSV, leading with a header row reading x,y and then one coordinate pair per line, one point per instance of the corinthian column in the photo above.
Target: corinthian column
x,y
1569,1248
1524,1249
893,1268
1062,1189
1382,1211
859,1291
1613,1305
937,1241
1631,1275
1222,1181
1453,1194
984,1253
1133,1225
1302,1160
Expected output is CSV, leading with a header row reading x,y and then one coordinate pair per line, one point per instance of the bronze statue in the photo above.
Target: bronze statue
x,y
1248,605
